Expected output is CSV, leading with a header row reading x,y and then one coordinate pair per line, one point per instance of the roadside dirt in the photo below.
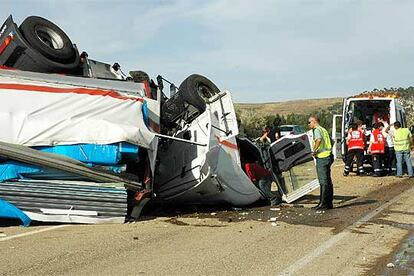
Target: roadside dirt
x,y
354,196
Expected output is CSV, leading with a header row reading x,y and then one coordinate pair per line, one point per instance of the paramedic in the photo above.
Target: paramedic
x,y
377,148
356,144
322,148
402,145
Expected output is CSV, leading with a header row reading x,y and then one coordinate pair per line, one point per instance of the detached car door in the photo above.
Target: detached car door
x,y
293,166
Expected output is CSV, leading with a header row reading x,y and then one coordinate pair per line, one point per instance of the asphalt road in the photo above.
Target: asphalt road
x,y
372,220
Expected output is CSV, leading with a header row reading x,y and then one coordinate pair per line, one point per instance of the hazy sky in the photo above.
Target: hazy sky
x,y
262,51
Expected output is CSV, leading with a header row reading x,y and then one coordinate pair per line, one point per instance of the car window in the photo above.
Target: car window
x,y
286,128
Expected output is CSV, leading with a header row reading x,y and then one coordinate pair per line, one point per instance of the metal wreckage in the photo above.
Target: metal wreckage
x,y
82,142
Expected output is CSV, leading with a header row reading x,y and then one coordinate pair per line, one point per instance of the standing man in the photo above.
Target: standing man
x,y
322,152
389,154
356,144
402,146
377,148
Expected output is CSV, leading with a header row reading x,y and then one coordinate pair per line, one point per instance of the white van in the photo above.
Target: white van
x,y
367,108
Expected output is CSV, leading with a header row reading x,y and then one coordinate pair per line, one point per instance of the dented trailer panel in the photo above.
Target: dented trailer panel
x,y
44,113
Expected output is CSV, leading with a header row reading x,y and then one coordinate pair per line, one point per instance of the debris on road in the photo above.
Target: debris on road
x,y
390,265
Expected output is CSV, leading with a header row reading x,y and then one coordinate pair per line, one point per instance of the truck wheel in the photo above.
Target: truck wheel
x,y
196,89
48,39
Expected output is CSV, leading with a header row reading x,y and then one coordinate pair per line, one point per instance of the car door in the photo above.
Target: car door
x,y
293,166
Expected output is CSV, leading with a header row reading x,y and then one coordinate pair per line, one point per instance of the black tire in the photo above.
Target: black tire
x,y
48,39
196,89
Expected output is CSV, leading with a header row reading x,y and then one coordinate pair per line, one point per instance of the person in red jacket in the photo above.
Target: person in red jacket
x,y
377,148
356,144
262,178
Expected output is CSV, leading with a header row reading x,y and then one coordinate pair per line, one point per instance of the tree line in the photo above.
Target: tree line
x,y
252,123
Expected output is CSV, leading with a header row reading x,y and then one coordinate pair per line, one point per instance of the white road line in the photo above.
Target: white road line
x,y
301,263
32,232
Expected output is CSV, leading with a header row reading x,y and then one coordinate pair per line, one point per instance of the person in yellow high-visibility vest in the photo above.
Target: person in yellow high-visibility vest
x,y
402,146
322,152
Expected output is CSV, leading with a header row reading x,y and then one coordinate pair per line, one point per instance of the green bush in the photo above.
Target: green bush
x,y
252,124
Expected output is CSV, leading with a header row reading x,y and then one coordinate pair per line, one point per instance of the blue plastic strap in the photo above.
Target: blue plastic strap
x,y
8,210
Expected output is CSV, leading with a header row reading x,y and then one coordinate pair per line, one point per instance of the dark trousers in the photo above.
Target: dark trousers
x,y
323,169
377,163
265,186
390,163
359,154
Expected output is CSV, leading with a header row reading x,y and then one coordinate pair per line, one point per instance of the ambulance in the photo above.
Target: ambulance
x,y
367,107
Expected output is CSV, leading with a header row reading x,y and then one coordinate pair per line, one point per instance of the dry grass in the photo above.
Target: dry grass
x,y
284,108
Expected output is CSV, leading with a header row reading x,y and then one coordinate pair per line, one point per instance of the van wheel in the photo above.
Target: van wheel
x,y
48,39
196,90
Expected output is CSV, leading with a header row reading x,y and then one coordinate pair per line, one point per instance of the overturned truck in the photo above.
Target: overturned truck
x,y
93,145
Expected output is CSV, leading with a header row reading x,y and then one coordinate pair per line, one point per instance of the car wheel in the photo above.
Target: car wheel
x,y
196,90
48,39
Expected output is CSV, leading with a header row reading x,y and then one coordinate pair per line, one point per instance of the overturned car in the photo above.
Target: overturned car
x,y
92,145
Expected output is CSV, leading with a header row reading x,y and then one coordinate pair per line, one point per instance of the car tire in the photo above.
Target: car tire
x,y
48,39
196,90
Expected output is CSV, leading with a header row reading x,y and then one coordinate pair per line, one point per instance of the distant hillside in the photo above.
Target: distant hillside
x,y
407,100
288,107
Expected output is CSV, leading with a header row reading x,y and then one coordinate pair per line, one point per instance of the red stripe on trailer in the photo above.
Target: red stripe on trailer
x,y
227,143
147,89
85,91
6,67
6,43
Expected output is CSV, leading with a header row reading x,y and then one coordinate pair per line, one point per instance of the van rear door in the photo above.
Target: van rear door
x,y
293,166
